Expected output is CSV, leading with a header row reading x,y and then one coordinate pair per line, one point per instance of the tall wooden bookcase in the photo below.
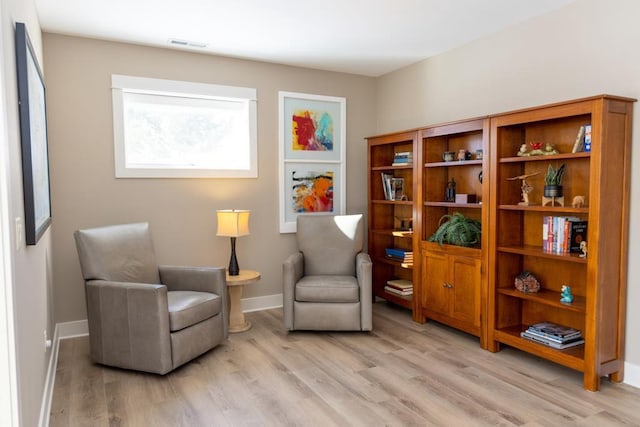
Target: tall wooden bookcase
x,y
472,289
389,219
598,280
453,284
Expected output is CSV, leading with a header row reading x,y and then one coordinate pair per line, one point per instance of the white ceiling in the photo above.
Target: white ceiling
x,y
367,37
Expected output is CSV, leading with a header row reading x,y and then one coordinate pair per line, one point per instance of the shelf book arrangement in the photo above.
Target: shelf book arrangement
x,y
401,255
393,187
553,335
403,158
583,140
563,235
399,287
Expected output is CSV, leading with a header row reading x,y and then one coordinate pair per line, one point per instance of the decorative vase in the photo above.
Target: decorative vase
x,y
553,191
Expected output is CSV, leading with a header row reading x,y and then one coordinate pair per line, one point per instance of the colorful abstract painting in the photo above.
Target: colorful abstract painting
x,y
312,192
312,152
311,131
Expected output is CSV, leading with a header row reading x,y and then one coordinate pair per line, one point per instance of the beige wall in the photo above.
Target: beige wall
x,y
181,211
583,49
29,291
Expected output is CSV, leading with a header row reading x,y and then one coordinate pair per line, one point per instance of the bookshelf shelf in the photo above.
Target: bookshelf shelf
x,y
536,251
454,163
554,157
571,357
547,297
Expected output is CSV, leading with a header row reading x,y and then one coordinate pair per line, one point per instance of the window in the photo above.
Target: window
x,y
172,129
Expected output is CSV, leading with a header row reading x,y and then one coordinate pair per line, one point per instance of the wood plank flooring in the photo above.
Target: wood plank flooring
x,y
401,374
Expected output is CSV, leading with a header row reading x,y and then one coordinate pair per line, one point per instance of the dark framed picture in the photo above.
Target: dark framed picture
x,y
33,134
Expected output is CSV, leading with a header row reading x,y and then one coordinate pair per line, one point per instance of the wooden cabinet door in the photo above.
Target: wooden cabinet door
x,y
464,295
435,272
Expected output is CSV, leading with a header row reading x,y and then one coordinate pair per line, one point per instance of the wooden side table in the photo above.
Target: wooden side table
x,y
235,285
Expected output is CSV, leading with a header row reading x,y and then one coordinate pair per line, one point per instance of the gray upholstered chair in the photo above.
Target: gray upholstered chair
x,y
327,283
143,316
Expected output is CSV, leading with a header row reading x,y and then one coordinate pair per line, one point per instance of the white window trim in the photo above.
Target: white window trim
x,y
120,83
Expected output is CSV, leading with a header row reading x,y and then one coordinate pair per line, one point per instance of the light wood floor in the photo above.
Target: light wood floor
x,y
401,374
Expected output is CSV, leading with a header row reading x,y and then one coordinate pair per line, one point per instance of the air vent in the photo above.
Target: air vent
x,y
187,43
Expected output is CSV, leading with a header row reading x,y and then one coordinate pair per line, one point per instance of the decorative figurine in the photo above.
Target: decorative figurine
x,y
565,296
526,187
536,149
463,154
526,282
549,149
578,202
450,191
522,152
583,249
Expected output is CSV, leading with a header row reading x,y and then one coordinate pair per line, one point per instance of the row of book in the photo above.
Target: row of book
x,y
393,187
398,254
403,158
583,140
399,287
562,235
553,335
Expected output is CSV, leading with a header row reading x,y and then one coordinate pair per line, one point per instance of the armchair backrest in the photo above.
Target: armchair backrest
x,y
330,243
122,253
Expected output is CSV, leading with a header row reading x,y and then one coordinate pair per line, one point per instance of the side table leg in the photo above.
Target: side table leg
x,y
237,322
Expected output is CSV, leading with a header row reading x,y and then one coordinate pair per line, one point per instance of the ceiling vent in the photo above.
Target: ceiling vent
x,y
187,43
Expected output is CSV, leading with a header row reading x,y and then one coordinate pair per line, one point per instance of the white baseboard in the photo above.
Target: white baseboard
x,y
261,303
632,374
61,331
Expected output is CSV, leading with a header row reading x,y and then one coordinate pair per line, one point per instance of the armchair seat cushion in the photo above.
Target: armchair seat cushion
x,y
186,308
331,289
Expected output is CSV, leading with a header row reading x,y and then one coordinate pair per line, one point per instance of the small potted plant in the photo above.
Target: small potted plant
x,y
458,230
553,181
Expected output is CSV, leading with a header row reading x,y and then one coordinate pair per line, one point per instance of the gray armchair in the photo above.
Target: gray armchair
x,y
327,283
143,316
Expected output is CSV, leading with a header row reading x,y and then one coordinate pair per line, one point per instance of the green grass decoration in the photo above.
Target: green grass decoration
x,y
457,230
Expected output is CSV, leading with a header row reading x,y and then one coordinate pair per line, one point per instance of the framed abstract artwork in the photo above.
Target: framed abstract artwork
x,y
33,136
312,156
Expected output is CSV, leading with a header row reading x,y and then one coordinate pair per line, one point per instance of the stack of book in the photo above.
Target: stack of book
x,y
399,287
403,158
562,235
553,335
401,255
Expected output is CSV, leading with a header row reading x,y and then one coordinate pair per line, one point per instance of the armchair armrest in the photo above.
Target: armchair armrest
x,y
200,279
129,325
364,275
292,271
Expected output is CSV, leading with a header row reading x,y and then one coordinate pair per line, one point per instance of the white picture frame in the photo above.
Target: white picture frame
x,y
312,148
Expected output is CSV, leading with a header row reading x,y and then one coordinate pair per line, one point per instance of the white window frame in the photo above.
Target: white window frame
x,y
121,84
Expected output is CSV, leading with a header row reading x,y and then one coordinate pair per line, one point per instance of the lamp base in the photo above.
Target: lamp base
x,y
233,270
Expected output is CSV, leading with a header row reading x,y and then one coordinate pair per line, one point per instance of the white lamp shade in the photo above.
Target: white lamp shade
x,y
233,223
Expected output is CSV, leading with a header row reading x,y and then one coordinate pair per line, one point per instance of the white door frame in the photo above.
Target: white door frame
x,y
9,402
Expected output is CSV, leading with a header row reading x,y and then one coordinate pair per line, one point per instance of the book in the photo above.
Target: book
x,y
577,146
554,329
552,344
577,234
562,235
402,233
386,185
401,253
587,138
552,337
398,291
400,284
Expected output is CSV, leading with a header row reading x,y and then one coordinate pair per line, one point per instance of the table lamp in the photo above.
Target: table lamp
x,y
233,223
